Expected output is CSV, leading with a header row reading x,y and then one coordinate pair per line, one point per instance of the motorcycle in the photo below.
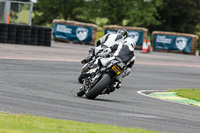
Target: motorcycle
x,y
87,66
101,78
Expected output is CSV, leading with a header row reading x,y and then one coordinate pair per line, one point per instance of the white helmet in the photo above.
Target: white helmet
x,y
123,32
130,41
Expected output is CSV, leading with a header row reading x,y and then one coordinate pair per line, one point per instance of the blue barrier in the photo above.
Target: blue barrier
x,y
72,33
172,42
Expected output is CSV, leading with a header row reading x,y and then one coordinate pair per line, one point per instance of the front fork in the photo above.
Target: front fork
x,y
89,82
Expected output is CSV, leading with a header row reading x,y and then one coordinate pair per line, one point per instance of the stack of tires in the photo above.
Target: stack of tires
x,y
27,35
34,35
47,37
20,34
12,28
24,34
41,36
3,33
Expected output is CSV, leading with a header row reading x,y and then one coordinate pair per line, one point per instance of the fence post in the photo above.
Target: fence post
x,y
8,18
30,17
6,11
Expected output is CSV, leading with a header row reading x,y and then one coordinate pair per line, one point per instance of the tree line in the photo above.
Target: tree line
x,y
163,15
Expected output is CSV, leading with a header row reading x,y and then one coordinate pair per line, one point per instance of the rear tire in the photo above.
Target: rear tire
x,y
99,87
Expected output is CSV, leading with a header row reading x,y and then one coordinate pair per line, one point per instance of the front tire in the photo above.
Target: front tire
x,y
81,77
99,87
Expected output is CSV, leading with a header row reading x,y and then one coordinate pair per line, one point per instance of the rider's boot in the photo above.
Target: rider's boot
x,y
117,84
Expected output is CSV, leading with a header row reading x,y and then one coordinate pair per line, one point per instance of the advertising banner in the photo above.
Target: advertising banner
x,y
169,42
136,35
72,33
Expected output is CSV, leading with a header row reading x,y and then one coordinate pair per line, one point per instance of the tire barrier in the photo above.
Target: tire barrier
x,y
3,33
24,34
47,37
34,35
20,34
12,28
40,36
27,35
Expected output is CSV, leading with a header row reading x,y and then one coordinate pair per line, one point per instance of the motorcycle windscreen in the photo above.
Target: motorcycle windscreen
x,y
104,61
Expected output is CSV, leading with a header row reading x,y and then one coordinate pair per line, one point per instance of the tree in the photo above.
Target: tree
x,y
47,10
114,11
178,16
133,12
163,15
22,0
144,13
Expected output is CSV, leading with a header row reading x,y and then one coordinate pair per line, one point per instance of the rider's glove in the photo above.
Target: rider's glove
x,y
126,72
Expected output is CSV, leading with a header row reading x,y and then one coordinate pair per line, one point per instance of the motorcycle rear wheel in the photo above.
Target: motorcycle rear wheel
x,y
99,87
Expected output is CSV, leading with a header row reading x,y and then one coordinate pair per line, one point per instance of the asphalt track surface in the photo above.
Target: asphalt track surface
x,y
43,81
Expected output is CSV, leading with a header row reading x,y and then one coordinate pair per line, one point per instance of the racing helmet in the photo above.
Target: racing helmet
x,y
124,32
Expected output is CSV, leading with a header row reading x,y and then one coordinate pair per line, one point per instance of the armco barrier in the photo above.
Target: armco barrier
x,y
137,33
72,31
24,34
172,42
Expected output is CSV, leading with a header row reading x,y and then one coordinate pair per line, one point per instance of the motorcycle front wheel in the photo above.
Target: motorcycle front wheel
x,y
99,87
81,77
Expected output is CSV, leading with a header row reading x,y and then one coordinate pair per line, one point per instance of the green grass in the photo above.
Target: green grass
x,y
18,123
188,93
22,17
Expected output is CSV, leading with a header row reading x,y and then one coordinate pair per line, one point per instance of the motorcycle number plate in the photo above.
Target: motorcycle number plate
x,y
116,69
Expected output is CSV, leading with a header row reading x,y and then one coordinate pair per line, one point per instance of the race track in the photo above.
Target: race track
x,y
43,81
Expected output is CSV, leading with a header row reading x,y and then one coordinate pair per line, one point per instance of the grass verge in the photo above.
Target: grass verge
x,y
99,35
18,123
188,93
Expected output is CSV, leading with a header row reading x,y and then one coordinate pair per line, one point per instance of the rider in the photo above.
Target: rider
x,y
124,53
107,41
